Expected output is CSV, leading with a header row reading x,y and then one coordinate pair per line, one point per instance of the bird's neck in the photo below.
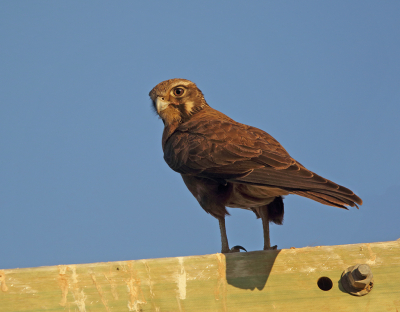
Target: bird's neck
x,y
169,129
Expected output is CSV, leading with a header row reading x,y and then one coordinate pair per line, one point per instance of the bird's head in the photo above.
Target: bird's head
x,y
175,100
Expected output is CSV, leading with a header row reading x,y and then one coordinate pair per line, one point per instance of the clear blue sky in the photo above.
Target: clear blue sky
x,y
82,172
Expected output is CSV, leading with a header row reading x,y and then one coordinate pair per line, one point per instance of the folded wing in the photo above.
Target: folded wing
x,y
233,152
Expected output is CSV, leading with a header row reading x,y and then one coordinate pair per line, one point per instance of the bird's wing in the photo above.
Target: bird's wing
x,y
225,150
222,147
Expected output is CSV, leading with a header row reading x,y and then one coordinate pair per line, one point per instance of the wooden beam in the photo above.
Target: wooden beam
x,y
281,280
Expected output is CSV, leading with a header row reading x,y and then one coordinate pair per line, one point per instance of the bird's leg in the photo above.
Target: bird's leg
x,y
265,223
224,238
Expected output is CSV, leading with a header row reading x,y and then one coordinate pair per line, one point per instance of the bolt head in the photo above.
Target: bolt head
x,y
360,276
358,279
363,270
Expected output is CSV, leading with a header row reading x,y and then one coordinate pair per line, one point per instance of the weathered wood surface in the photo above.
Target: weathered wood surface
x,y
282,280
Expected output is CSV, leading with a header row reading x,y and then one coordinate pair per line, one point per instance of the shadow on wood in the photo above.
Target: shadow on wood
x,y
250,270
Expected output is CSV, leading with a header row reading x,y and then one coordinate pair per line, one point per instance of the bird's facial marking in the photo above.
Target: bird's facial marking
x,y
183,96
189,107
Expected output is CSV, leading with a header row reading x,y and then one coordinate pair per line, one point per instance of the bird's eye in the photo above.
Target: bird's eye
x,y
179,91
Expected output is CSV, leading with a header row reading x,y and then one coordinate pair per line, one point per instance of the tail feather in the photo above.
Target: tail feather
x,y
328,199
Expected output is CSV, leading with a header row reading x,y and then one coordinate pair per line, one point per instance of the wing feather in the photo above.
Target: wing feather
x,y
219,148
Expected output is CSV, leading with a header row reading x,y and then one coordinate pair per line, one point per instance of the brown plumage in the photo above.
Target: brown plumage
x,y
228,164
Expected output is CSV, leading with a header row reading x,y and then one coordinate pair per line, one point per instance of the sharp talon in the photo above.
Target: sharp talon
x,y
237,249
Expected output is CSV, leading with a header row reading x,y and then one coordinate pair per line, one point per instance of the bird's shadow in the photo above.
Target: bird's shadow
x,y
250,270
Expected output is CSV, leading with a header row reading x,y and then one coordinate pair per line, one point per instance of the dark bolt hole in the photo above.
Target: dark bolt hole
x,y
325,283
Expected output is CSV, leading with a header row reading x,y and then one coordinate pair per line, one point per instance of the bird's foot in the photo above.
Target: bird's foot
x,y
271,248
237,248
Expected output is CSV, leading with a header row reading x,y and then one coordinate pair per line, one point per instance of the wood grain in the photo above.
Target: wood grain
x,y
281,280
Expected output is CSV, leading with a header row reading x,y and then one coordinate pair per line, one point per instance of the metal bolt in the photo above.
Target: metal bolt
x,y
363,270
357,280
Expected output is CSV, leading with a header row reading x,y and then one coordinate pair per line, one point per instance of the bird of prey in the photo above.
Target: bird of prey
x,y
228,164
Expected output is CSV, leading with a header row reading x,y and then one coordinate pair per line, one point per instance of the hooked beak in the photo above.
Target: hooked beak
x,y
161,104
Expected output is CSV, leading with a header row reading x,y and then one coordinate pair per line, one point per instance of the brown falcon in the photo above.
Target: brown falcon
x,y
228,164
